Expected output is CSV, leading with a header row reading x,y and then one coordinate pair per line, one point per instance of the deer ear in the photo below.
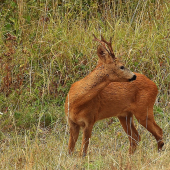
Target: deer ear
x,y
103,54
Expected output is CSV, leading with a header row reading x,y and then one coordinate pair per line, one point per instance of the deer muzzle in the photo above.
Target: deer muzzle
x,y
133,78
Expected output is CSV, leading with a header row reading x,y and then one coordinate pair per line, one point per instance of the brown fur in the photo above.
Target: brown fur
x,y
105,93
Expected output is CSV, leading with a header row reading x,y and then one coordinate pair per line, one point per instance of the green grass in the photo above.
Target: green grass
x,y
45,46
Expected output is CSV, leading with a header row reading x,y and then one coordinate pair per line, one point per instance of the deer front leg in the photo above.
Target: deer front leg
x,y
85,141
74,133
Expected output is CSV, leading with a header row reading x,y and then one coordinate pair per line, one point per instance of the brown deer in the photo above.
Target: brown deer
x,y
111,90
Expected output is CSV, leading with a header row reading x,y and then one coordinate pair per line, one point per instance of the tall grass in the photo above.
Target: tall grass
x,y
45,46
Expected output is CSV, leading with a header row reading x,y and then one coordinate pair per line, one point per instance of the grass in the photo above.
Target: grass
x,y
45,46
108,150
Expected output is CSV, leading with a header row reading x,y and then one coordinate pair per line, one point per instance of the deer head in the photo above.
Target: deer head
x,y
113,68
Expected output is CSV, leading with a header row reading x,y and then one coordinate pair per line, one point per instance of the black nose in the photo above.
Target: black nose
x,y
133,78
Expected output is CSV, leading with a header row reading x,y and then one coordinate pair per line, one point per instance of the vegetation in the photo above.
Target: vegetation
x,y
45,46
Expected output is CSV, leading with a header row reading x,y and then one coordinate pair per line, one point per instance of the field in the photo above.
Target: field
x,y
45,46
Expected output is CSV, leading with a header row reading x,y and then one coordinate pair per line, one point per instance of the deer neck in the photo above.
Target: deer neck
x,y
87,88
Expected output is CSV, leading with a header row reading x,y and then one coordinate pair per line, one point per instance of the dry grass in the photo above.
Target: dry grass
x,y
108,150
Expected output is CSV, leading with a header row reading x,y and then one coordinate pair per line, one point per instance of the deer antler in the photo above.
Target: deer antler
x,y
109,45
101,42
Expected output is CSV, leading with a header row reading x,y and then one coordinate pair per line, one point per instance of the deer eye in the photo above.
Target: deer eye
x,y
122,67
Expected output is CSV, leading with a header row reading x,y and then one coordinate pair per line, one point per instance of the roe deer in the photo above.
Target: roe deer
x,y
109,90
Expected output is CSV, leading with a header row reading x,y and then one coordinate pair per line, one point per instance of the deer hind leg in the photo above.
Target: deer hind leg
x,y
129,127
74,133
85,141
147,120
